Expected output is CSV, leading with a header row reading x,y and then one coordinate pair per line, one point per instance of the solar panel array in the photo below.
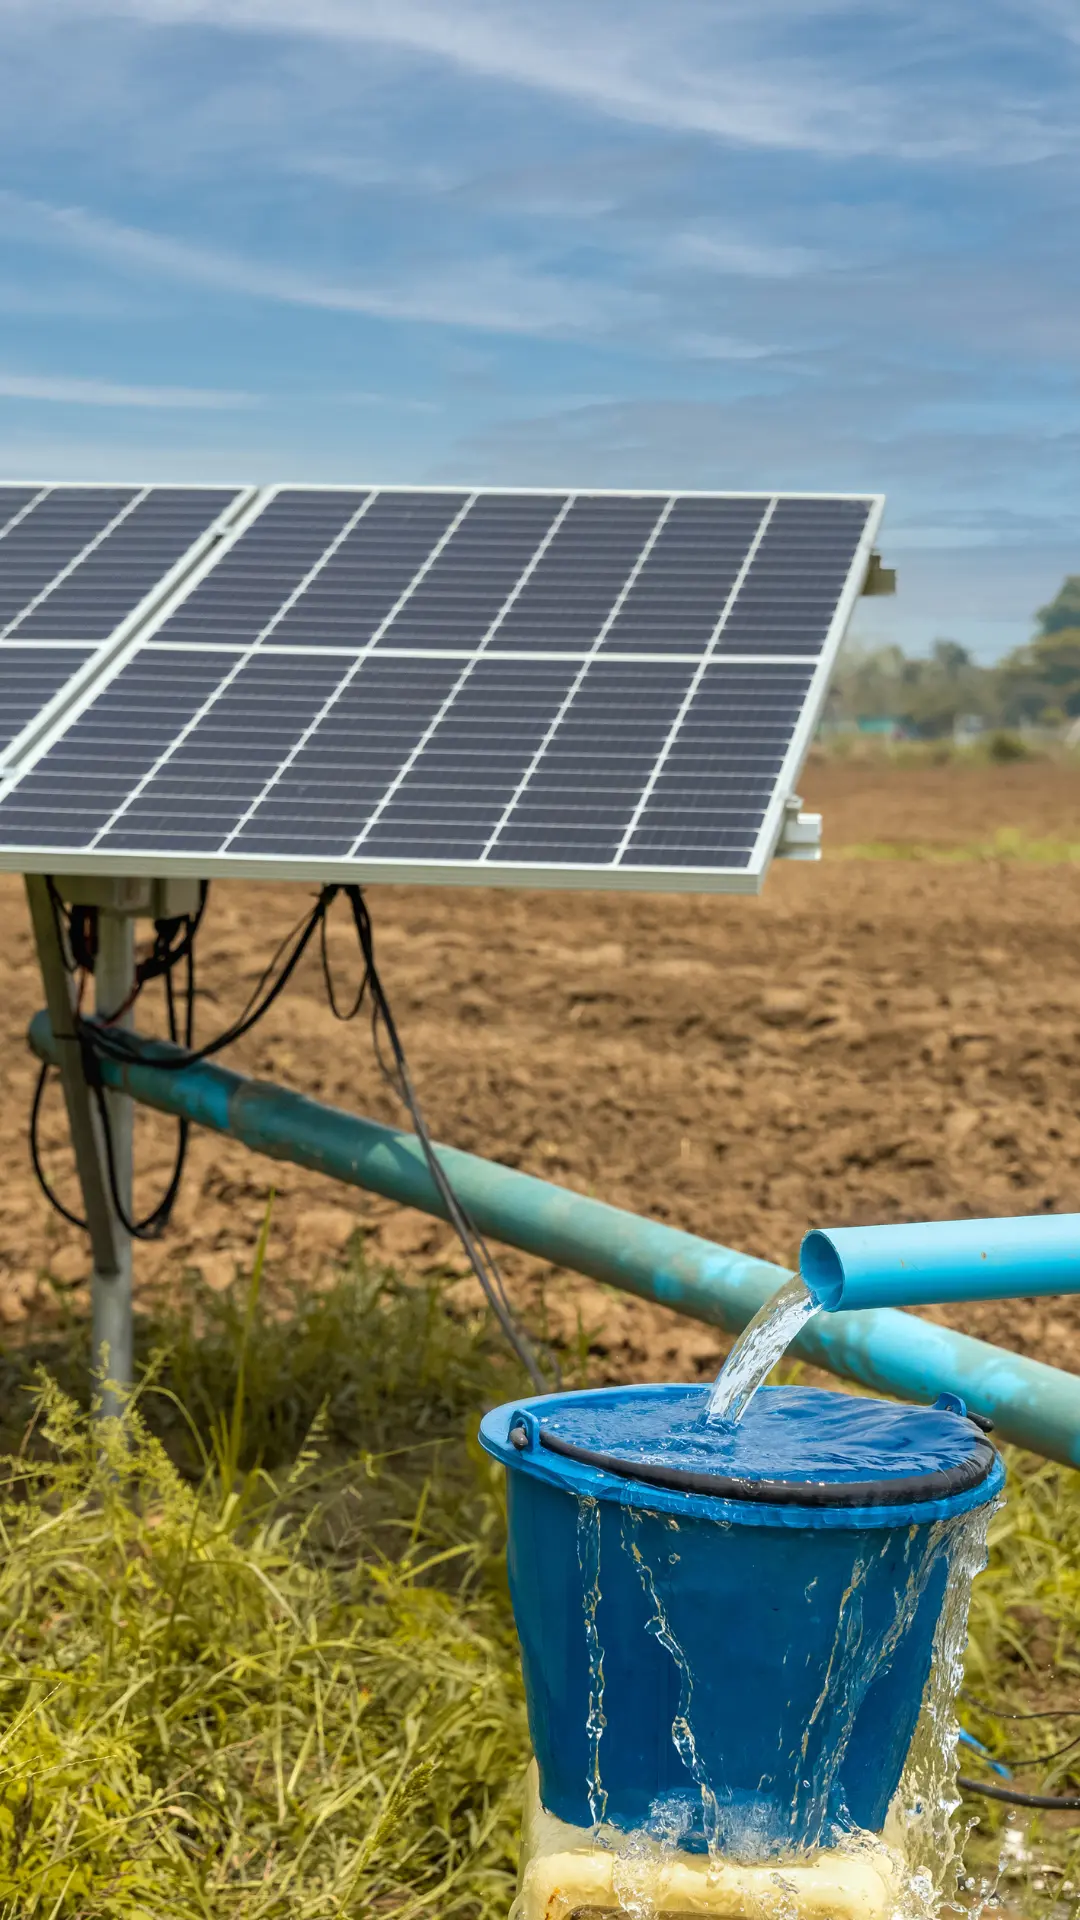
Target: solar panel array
x,y
445,683
75,563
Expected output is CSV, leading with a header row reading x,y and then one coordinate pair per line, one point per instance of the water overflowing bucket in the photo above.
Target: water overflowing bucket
x,y
725,1637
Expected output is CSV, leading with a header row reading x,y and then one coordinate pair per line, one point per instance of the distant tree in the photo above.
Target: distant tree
x,y
1063,612
1041,681
950,656
927,694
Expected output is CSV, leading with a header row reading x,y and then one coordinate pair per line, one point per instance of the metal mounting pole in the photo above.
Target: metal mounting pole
x,y
109,1244
119,902
114,975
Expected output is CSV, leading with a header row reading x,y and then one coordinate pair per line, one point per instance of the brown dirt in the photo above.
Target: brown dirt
x,y
868,1041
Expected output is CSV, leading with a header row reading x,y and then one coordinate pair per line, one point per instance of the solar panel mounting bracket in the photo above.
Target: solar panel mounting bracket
x,y
131,895
880,580
800,833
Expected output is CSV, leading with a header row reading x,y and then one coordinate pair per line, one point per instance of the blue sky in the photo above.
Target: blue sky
x,y
718,243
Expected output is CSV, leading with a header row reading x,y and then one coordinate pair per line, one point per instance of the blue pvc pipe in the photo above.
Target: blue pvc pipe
x,y
1034,1405
939,1260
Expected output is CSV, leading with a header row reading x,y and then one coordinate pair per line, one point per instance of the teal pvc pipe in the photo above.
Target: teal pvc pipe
x,y
1034,1405
940,1260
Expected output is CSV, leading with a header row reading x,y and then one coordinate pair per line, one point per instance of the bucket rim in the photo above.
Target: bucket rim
x,y
585,1473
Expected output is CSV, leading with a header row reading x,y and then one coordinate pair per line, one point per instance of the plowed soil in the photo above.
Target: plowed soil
x,y
869,1040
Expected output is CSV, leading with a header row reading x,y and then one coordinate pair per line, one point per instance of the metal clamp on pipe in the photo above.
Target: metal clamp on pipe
x,y
941,1260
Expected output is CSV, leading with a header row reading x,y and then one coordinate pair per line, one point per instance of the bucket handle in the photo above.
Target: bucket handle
x,y
524,1430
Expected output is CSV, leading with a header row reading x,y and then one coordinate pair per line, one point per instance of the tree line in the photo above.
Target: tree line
x,y
1037,684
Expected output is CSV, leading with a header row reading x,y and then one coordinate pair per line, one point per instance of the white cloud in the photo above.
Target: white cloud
x,y
720,346
493,294
733,253
893,83
67,391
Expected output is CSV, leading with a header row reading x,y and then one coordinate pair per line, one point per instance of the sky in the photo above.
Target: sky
x,y
674,243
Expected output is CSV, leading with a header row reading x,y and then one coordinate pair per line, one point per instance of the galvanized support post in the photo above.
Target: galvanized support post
x,y
119,902
110,1245
114,975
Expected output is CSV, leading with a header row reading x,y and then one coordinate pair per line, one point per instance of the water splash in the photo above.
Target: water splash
x,y
682,1731
856,1660
639,1870
757,1350
588,1553
922,1817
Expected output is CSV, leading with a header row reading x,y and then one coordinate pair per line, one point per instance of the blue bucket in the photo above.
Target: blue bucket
x,y
725,1637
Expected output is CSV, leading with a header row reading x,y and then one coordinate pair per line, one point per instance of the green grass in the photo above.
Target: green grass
x,y
998,747
254,1692
1007,844
1024,1655
256,1656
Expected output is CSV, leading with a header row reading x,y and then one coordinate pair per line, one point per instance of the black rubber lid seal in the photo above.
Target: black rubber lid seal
x,y
944,1484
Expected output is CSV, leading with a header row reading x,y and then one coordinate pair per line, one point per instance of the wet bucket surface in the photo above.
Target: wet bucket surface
x,y
725,1637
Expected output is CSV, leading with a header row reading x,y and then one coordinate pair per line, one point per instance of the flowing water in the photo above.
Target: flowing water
x,y
920,1834
682,1731
921,1856
922,1817
757,1350
588,1553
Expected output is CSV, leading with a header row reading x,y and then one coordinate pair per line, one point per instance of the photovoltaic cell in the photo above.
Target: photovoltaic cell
x,y
29,677
401,680
578,579
711,790
13,503
36,551
582,793
330,789
114,575
682,589
254,582
467,586
453,797
218,769
75,562
361,583
70,796
796,578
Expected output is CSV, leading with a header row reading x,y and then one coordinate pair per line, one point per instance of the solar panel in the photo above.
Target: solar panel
x,y
604,689
76,562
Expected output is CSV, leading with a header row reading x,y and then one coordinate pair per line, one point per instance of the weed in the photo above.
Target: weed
x,y
251,1694
256,1656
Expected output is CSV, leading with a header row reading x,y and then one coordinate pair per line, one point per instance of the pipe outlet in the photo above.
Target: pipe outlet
x,y
941,1260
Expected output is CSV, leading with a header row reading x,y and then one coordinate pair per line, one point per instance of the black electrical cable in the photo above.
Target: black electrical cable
x,y
1055,1802
49,1191
114,1043
175,941
997,1713
1019,1762
167,956
399,1080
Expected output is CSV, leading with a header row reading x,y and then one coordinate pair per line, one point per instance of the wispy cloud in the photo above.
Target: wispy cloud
x,y
493,294
68,391
721,346
734,253
826,77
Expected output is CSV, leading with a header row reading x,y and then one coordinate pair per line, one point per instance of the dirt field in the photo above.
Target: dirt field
x,y
870,1040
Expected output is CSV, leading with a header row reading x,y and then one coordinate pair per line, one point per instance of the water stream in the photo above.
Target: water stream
x,y
757,1350
920,1851
588,1553
922,1819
